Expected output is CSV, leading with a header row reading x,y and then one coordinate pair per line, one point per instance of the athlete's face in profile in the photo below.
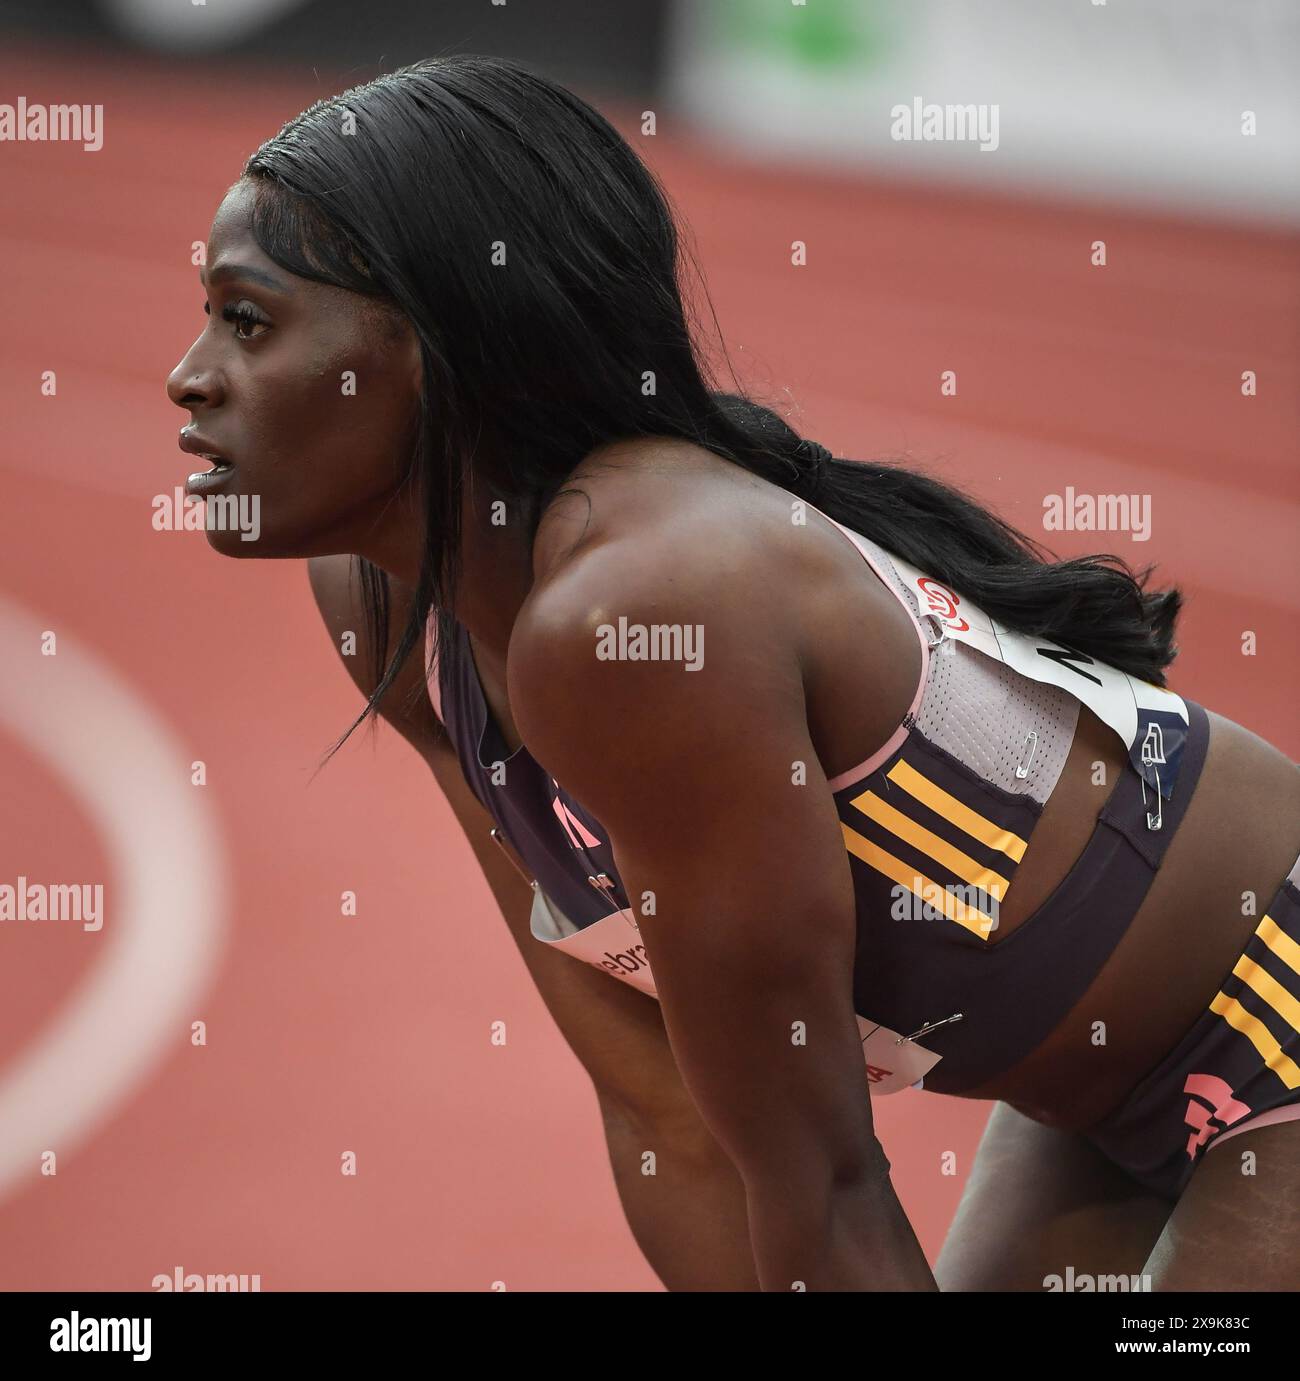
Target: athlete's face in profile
x,y
307,391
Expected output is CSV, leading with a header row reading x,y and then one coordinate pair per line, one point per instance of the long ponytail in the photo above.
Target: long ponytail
x,y
1093,604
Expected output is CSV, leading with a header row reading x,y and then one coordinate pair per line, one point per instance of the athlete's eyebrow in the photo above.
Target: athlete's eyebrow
x,y
226,271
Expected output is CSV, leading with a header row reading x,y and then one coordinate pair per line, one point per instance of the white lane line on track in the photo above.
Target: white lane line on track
x,y
165,902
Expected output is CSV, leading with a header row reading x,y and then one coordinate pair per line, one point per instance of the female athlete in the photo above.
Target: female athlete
x,y
799,780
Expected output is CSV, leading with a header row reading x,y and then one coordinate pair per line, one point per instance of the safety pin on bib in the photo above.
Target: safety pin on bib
x,y
940,633
1153,751
500,839
929,1026
604,884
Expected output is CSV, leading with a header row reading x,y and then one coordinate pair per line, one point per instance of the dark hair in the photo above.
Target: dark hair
x,y
538,260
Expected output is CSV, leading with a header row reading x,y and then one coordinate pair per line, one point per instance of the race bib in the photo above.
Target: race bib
x,y
1152,722
613,944
892,1062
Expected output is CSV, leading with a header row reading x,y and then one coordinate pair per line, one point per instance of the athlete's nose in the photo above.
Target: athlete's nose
x,y
194,382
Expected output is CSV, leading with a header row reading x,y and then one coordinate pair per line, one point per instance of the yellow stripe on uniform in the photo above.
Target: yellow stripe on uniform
x,y
1279,942
1275,1058
971,917
1262,982
942,803
930,844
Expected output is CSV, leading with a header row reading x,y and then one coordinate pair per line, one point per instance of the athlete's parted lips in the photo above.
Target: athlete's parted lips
x,y
203,482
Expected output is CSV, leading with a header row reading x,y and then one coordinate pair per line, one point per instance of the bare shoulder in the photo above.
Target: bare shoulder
x,y
668,540
658,530
661,516
655,621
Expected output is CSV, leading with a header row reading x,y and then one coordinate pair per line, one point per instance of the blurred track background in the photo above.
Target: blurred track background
x,y
329,1034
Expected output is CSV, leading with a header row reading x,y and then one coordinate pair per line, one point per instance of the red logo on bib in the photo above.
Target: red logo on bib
x,y
943,603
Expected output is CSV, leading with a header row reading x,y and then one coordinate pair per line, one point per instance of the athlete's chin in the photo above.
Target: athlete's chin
x,y
252,544
253,527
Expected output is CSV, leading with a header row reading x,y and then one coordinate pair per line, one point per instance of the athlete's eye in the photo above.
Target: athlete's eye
x,y
244,317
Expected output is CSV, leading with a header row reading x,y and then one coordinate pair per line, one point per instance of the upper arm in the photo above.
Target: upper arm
x,y
717,807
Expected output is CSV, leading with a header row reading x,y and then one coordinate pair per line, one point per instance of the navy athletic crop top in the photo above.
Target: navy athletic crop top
x,y
935,823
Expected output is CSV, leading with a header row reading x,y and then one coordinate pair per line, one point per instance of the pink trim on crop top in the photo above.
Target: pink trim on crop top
x,y
895,740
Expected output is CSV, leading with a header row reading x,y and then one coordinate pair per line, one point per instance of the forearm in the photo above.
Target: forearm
x,y
686,1207
850,1237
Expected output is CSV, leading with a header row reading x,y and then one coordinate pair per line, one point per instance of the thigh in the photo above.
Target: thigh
x,y
1237,1223
1040,1201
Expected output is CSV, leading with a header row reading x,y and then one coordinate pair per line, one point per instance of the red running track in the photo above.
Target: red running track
x,y
370,1034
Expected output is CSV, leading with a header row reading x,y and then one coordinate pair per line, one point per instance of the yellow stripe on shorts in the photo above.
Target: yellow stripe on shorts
x,y
1279,942
1274,1057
